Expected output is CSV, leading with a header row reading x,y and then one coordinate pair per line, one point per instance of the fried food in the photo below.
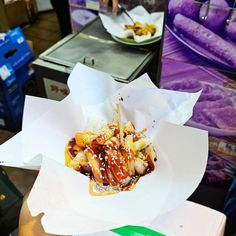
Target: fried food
x,y
141,29
114,157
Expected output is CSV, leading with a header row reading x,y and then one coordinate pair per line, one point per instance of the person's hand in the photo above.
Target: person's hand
x,y
114,5
29,225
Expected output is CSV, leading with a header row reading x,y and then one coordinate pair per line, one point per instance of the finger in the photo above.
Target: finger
x,y
105,1
115,6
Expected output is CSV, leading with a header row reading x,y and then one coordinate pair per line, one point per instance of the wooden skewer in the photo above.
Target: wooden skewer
x,y
142,131
120,124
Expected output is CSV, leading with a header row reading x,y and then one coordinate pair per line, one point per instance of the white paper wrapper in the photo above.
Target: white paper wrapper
x,y
62,193
115,24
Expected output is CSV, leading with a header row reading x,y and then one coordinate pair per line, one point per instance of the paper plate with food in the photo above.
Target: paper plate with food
x,y
144,28
109,158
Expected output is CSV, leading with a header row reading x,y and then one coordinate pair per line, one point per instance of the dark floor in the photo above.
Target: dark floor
x,y
43,33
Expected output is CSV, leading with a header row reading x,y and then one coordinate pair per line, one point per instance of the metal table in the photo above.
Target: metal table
x,y
93,46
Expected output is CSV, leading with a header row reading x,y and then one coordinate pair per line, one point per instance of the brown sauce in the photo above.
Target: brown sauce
x,y
111,163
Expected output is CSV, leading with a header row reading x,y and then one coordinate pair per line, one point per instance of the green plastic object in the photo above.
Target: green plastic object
x,y
130,230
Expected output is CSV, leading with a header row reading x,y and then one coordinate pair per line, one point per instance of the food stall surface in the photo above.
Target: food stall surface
x,y
94,47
